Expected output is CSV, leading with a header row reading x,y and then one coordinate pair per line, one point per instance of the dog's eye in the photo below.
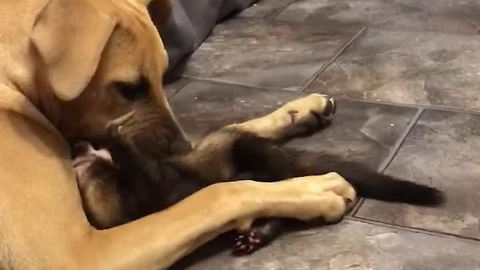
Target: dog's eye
x,y
132,90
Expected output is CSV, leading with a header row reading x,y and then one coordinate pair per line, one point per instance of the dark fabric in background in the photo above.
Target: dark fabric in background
x,y
192,21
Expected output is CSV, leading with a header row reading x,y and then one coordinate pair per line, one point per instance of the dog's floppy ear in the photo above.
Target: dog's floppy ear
x,y
69,36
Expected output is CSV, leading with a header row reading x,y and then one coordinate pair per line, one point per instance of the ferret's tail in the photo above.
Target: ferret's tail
x,y
369,183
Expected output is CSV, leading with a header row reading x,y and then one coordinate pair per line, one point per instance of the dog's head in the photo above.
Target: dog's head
x,y
104,61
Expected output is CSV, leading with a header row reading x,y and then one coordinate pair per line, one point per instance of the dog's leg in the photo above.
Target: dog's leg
x,y
296,117
160,239
161,246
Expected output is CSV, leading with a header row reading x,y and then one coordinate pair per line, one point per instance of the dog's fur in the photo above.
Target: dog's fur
x,y
121,189
73,70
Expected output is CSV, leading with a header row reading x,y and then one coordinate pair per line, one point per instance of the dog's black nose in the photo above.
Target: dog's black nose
x,y
330,108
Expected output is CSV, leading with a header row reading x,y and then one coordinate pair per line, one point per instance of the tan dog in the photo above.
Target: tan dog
x,y
69,70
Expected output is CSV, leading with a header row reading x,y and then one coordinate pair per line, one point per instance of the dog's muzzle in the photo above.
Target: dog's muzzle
x,y
156,138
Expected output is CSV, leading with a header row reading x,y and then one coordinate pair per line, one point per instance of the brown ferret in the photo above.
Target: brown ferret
x,y
117,187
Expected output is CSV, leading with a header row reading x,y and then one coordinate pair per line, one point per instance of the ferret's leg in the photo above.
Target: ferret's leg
x,y
247,242
296,117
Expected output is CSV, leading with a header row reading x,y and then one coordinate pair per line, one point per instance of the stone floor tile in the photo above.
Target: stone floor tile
x,y
427,15
361,132
268,55
205,106
408,67
172,86
442,150
265,8
349,245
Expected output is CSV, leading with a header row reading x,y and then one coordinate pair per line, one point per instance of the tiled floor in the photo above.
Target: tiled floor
x,y
407,74
430,68
415,15
274,55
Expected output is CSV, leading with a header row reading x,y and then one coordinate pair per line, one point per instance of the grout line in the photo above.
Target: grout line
x,y
477,31
402,105
187,82
400,141
409,105
333,59
412,229
399,30
398,144
357,207
213,81
277,13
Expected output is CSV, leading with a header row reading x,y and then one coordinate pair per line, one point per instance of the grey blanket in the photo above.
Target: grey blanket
x,y
192,21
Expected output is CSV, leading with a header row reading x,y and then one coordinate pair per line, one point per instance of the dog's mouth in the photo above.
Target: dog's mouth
x,y
153,141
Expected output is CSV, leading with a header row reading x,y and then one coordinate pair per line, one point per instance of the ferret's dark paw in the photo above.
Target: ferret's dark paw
x,y
247,242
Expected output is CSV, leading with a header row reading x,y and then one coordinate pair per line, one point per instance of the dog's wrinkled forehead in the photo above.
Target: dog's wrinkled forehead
x,y
135,50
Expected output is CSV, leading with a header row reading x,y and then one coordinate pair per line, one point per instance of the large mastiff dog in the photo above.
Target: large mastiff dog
x,y
69,71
